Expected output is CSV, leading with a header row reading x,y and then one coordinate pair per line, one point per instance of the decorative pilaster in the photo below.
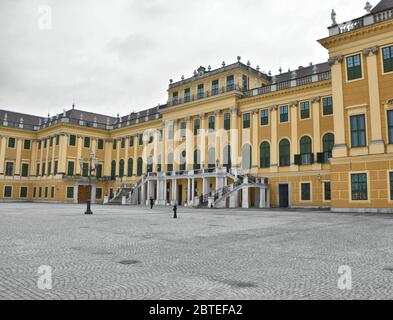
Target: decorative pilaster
x,y
2,154
218,141
316,109
274,140
108,157
255,147
235,137
203,140
294,132
189,145
340,148
19,142
377,144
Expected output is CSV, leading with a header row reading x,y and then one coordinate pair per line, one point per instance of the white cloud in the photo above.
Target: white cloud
x,y
119,55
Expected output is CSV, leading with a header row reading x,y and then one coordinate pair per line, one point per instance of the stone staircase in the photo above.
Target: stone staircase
x,y
129,192
240,181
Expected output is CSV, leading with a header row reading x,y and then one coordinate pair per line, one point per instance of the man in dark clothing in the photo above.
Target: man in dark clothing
x,y
151,203
175,211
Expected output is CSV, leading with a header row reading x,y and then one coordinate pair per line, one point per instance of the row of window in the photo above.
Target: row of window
x,y
306,192
9,169
358,129
11,144
359,188
38,192
354,64
70,193
305,112
44,143
215,90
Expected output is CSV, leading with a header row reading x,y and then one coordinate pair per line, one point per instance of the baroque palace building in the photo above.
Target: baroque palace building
x,y
319,136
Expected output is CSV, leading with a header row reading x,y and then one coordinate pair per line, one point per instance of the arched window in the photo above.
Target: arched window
x,y
197,159
139,167
306,155
211,158
182,166
264,154
305,145
130,167
246,157
328,142
149,164
113,170
170,162
227,157
285,153
121,168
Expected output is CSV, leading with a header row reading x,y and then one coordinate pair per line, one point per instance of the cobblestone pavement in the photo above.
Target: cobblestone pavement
x,y
137,253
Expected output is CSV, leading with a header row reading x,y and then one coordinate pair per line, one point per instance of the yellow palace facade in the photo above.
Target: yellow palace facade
x,y
320,136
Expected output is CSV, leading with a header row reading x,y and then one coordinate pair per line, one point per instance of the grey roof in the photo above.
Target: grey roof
x,y
90,116
15,117
382,6
303,72
217,71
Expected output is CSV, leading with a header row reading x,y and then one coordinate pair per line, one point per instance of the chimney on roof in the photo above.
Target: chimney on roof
x,y
73,106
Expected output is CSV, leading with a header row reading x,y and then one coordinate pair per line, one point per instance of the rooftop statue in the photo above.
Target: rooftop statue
x,y
333,16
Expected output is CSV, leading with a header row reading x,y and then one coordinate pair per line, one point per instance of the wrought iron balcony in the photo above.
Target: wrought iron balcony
x,y
288,84
324,157
304,159
204,95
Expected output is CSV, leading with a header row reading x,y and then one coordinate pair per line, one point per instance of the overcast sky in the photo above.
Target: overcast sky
x,y
118,55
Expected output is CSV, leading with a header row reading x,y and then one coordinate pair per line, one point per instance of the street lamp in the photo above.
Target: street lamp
x,y
91,160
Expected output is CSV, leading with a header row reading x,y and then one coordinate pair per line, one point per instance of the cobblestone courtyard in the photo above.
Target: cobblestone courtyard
x,y
136,253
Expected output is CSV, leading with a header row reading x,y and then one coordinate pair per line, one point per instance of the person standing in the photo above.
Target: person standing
x,y
151,202
175,211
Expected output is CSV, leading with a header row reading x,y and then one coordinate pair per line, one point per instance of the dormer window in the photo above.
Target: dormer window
x,y
230,83
175,98
214,87
200,91
187,95
201,71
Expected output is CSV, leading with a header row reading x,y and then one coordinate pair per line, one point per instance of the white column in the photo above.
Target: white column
x,y
193,191
204,186
262,198
234,200
164,189
188,191
245,191
174,191
143,199
75,192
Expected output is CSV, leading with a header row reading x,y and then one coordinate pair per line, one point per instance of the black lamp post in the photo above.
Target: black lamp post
x,y
92,160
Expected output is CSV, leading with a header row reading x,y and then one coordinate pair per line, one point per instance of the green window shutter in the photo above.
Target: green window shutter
x,y
70,169
70,192
27,144
25,170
